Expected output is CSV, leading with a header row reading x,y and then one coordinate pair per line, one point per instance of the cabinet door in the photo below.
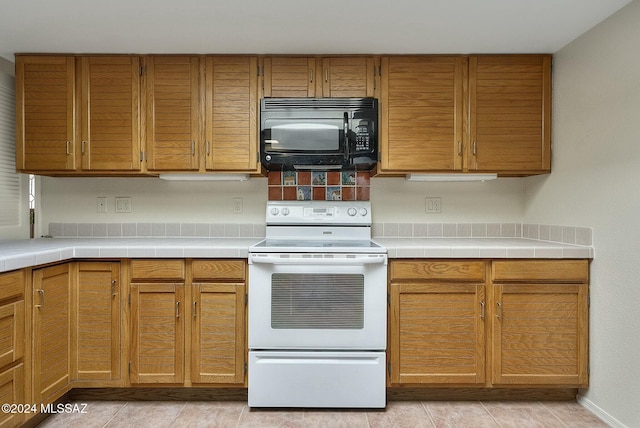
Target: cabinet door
x,y
45,97
231,113
540,334
157,348
173,115
348,77
510,109
109,113
12,323
289,77
97,333
218,342
437,333
51,333
12,392
421,125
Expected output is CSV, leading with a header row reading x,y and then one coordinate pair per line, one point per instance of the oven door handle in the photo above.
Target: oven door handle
x,y
309,261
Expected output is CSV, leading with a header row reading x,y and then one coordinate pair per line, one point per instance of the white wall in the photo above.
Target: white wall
x,y
154,200
595,182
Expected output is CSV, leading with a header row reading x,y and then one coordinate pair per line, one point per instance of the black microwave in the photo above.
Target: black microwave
x,y
318,133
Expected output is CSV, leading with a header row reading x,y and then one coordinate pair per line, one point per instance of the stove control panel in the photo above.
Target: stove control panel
x,y
319,212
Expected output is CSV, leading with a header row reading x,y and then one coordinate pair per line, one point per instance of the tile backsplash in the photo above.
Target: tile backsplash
x,y
541,232
319,185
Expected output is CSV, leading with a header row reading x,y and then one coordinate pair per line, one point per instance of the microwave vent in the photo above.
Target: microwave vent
x,y
321,103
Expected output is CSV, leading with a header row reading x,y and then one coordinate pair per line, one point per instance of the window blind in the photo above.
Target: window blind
x,y
10,190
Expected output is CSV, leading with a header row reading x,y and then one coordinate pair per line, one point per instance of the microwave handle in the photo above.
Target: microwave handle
x,y
346,136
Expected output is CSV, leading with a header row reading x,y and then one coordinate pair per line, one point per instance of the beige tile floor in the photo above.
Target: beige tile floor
x,y
411,414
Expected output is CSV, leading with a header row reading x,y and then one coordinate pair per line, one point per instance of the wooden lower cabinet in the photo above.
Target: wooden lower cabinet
x,y
12,345
96,338
157,348
540,322
524,325
189,332
51,332
436,326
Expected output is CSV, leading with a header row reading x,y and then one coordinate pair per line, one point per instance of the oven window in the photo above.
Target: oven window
x,y
317,301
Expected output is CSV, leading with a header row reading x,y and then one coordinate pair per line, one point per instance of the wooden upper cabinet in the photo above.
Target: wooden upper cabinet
x,y
421,125
45,125
340,76
172,113
231,116
510,112
289,77
110,104
348,77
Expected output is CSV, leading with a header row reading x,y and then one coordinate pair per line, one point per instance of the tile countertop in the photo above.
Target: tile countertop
x,y
494,248
17,254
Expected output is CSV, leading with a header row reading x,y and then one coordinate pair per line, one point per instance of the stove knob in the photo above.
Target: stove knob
x,y
274,211
363,212
351,211
285,211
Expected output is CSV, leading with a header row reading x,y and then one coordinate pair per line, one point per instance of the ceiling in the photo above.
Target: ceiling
x,y
296,26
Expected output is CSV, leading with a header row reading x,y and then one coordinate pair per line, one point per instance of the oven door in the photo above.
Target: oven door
x,y
317,301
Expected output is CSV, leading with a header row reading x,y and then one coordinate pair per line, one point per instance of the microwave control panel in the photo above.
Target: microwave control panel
x,y
363,137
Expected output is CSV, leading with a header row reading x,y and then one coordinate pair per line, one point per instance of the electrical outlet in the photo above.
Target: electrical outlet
x,y
433,205
237,205
123,204
102,204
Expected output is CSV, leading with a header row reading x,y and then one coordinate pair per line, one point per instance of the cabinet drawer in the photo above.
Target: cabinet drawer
x,y
11,284
218,269
161,269
11,332
540,271
438,270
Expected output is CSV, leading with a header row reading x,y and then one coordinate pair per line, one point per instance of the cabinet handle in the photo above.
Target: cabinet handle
x,y
113,288
459,148
178,309
41,292
482,310
68,147
84,143
311,75
326,74
193,147
208,148
195,312
475,148
374,77
499,310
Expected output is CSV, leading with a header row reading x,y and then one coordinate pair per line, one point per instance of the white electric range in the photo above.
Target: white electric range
x,y
317,308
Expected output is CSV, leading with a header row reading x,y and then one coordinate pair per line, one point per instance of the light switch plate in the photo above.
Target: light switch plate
x,y
123,204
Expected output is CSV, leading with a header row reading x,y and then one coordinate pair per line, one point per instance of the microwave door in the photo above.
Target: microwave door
x,y
304,135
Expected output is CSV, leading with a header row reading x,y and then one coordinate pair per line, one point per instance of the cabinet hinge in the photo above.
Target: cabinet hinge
x,y
246,299
379,70
129,304
129,367
245,367
140,70
388,299
389,368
